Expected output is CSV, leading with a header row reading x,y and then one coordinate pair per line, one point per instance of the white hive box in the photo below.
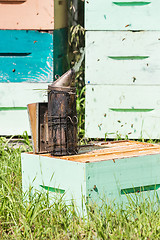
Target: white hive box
x,y
112,173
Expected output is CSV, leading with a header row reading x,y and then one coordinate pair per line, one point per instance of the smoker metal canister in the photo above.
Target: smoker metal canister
x,y
62,120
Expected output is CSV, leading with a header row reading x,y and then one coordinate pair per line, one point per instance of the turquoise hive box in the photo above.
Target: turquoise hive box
x,y
110,172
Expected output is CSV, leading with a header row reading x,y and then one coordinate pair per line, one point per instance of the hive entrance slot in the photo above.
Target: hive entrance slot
x,y
146,188
131,4
14,54
51,189
12,1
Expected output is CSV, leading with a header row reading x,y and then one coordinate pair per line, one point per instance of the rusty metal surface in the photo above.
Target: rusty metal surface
x,y
43,127
62,115
38,116
62,121
54,125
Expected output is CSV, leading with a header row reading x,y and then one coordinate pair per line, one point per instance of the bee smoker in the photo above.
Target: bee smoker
x,y
62,116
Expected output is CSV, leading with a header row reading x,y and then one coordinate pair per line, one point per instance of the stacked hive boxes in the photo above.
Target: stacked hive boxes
x,y
33,49
122,68
116,172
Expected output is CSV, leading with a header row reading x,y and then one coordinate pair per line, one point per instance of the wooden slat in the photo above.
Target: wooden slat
x,y
14,98
21,94
32,56
96,178
117,152
33,14
14,122
102,122
38,171
122,15
130,58
115,156
60,14
126,149
110,178
26,56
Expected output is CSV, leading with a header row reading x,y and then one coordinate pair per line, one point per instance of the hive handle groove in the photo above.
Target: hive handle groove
x,y
12,108
12,1
10,54
153,187
51,189
128,57
131,4
131,109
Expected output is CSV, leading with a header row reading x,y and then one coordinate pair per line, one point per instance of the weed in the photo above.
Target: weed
x,y
37,218
81,112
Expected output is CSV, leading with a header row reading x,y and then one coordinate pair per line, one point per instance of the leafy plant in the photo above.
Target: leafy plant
x,y
76,48
81,112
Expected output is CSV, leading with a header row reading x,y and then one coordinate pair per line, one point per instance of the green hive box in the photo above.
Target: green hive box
x,y
112,172
122,69
122,15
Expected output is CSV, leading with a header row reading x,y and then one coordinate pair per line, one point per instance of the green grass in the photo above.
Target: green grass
x,y
38,219
80,105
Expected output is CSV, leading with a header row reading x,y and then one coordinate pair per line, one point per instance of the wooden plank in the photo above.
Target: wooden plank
x,y
32,56
21,94
39,170
109,178
43,15
114,151
60,14
113,154
103,122
14,98
94,181
14,122
122,15
26,56
123,58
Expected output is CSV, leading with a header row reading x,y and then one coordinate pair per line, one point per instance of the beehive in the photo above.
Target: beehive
x,y
33,49
122,15
33,14
111,171
122,69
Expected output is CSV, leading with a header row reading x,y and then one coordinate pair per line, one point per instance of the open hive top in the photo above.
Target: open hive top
x,y
111,150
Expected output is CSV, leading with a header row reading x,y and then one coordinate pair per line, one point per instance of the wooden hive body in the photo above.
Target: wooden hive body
x,y
122,69
111,172
33,14
122,15
29,62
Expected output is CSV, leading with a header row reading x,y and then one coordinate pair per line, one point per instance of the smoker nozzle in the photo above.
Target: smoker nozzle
x,y
66,80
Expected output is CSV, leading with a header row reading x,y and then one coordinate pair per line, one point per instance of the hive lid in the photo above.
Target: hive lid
x,y
111,151
116,150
